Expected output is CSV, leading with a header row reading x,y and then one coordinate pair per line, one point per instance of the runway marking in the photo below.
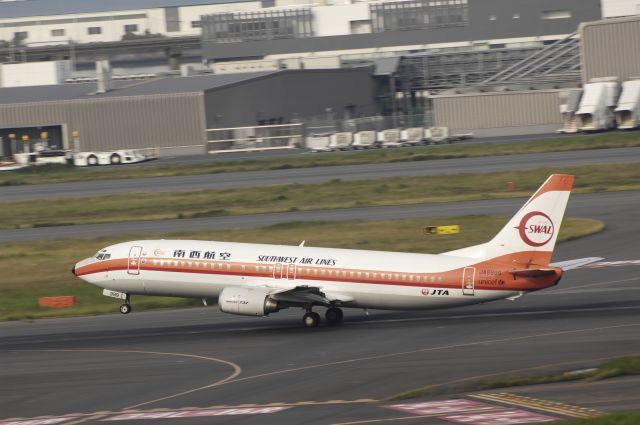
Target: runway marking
x,y
621,263
171,414
94,417
500,417
373,421
43,421
440,407
540,404
236,369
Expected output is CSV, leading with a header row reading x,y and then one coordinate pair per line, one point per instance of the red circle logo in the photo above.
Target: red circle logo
x,y
425,291
536,229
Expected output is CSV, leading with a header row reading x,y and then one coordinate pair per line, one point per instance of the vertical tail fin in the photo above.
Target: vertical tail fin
x,y
531,234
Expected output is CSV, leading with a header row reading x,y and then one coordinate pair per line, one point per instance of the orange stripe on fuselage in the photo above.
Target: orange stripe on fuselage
x,y
490,275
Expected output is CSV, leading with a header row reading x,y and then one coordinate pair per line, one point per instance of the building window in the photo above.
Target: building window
x,y
57,33
20,35
196,24
129,28
516,16
94,30
492,17
556,14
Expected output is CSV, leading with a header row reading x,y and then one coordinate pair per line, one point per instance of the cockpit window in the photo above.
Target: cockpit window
x,y
103,256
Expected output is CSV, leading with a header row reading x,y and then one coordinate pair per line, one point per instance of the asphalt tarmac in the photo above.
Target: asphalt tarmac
x,y
216,368
320,174
581,205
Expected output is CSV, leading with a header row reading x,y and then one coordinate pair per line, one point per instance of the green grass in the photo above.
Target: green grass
x,y
623,418
57,174
612,368
42,268
297,197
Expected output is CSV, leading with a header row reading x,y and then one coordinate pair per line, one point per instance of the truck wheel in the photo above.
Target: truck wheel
x,y
92,160
115,159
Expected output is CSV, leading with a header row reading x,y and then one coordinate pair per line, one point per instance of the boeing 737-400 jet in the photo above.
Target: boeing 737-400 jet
x,y
256,279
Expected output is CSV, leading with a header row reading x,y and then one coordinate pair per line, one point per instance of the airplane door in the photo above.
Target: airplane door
x,y
133,265
291,271
277,271
468,278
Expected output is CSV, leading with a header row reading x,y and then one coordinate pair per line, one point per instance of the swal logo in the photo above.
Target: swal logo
x,y
536,229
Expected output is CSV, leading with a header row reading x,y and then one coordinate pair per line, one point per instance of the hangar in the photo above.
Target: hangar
x,y
175,112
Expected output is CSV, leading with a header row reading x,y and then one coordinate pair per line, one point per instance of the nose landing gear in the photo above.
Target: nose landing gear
x,y
126,307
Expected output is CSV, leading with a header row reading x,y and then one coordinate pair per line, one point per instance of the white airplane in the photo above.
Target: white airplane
x,y
257,279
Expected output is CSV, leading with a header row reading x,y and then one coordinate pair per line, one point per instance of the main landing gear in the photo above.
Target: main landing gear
x,y
126,307
333,315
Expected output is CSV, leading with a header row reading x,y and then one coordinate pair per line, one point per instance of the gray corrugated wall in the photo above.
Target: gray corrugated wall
x,y
292,93
512,109
118,122
611,49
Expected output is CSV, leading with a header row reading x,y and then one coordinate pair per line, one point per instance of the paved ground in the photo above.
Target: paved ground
x,y
558,160
581,205
96,368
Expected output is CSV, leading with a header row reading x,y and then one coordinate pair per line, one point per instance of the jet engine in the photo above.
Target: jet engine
x,y
247,301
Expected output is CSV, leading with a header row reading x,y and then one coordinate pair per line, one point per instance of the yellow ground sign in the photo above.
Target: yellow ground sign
x,y
441,230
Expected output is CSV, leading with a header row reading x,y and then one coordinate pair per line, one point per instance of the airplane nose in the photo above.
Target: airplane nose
x,y
73,270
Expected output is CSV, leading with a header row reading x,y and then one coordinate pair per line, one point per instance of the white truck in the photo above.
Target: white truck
x,y
84,159
364,140
318,142
341,141
412,136
116,157
628,110
596,111
389,138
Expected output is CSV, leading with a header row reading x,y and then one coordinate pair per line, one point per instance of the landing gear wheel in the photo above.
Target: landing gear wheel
x,y
334,316
125,308
311,319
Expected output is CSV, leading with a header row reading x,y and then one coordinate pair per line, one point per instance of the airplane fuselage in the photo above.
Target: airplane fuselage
x,y
354,278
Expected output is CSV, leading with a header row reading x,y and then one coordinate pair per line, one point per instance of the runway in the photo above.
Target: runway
x,y
558,160
581,205
210,366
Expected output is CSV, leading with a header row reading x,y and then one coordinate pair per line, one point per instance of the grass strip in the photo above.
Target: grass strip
x,y
298,197
42,268
620,418
612,368
61,173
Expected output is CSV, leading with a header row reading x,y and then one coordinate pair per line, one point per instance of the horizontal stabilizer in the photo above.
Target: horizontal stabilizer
x,y
532,272
574,264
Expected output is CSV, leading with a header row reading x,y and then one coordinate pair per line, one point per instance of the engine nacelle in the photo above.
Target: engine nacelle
x,y
247,301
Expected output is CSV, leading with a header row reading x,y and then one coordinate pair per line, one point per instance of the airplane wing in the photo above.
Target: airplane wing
x,y
574,264
310,294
